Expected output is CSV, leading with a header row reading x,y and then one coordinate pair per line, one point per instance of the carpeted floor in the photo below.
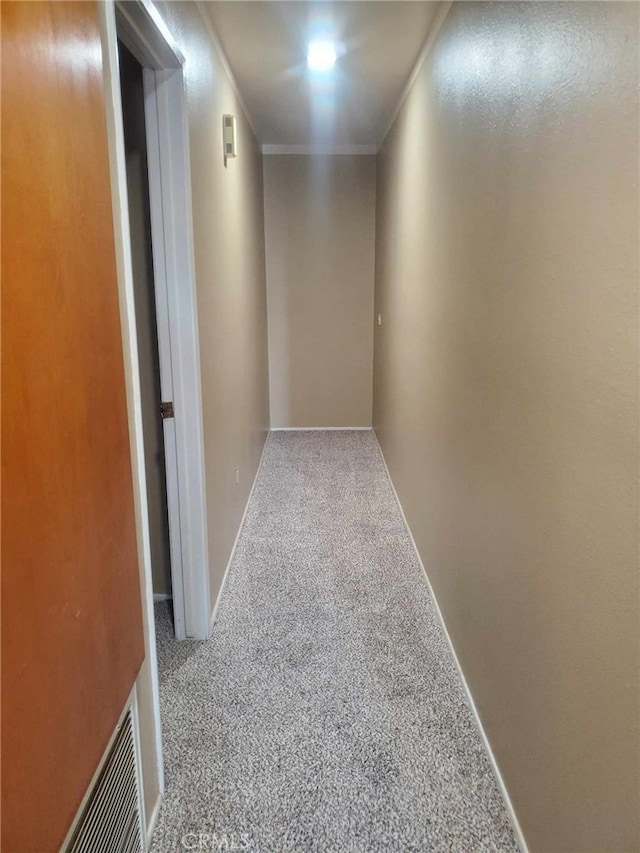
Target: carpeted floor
x,y
325,712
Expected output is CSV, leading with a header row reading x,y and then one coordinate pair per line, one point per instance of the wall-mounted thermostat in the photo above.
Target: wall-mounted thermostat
x,y
229,136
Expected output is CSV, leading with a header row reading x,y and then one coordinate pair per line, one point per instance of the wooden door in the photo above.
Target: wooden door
x,y
72,640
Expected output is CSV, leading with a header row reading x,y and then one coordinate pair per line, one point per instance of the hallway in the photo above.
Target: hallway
x,y
320,426
325,713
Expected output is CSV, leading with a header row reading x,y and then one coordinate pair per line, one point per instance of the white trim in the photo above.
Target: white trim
x,y
200,5
153,820
122,240
319,149
322,429
176,308
472,705
434,29
135,724
237,539
162,596
141,28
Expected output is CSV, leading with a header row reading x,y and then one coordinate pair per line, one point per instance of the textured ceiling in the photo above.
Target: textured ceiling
x,y
265,44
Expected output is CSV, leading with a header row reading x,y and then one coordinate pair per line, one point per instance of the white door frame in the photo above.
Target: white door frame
x,y
140,27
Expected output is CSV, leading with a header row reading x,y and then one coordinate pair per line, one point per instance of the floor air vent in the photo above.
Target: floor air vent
x,y
110,822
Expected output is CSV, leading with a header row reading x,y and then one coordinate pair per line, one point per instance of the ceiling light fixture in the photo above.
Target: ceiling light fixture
x,y
321,55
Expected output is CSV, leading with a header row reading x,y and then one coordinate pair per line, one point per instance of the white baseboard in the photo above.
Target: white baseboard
x,y
474,711
162,596
240,526
153,820
322,429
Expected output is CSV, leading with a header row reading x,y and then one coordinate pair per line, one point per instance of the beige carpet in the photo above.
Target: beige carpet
x,y
325,712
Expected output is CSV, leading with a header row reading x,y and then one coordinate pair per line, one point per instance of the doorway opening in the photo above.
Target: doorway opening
x,y
158,190
135,143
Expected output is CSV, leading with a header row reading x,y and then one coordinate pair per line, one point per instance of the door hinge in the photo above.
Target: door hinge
x,y
166,410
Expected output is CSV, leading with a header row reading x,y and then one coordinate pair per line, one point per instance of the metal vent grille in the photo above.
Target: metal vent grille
x,y
110,822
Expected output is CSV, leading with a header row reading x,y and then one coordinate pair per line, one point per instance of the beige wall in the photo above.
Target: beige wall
x,y
506,389
228,222
320,236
